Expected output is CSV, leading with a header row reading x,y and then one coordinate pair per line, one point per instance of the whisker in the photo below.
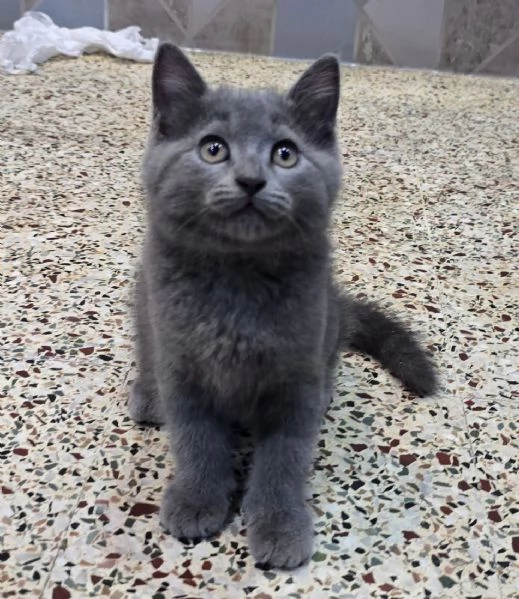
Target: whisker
x,y
225,192
278,196
193,217
222,201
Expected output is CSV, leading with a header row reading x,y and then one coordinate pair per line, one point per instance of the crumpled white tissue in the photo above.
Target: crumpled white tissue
x,y
35,38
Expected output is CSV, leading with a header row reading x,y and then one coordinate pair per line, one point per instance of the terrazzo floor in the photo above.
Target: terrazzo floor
x,y
412,498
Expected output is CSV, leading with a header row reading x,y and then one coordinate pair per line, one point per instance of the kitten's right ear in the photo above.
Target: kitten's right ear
x,y
177,89
315,98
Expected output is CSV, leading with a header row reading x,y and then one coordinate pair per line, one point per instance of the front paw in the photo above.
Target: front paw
x,y
193,514
281,538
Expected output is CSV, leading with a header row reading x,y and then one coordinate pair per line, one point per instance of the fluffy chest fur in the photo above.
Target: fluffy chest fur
x,y
239,326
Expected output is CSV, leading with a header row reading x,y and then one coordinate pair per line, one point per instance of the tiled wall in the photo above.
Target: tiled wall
x,y
71,13
228,25
479,36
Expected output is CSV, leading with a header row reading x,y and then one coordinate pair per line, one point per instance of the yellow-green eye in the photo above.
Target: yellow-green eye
x,y
285,154
214,149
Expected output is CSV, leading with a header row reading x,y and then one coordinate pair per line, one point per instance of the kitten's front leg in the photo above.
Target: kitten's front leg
x,y
197,501
279,524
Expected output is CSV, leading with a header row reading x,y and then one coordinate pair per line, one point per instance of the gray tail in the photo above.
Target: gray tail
x,y
366,328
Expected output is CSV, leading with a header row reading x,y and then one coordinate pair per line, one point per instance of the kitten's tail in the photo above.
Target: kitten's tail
x,y
366,328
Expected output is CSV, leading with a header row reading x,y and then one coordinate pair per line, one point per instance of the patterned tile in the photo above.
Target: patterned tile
x,y
492,426
50,431
201,13
238,27
505,60
368,49
325,27
153,17
30,5
179,10
25,568
409,30
472,30
412,498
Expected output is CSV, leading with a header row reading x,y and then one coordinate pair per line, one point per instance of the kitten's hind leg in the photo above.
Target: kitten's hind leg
x,y
144,405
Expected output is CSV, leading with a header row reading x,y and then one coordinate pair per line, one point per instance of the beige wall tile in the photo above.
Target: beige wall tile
x,y
473,29
409,30
150,15
201,13
30,5
239,26
504,61
179,10
368,49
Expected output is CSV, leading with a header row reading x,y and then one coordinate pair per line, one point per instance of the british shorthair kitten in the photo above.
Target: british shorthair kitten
x,y
238,317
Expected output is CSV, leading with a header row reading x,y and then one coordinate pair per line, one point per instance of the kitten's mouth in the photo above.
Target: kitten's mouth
x,y
244,216
255,207
248,209
240,209
245,222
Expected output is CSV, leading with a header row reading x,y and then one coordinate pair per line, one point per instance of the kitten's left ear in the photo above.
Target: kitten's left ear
x,y
177,88
315,97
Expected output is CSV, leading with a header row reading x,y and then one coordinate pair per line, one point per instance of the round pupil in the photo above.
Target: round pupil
x,y
284,153
214,148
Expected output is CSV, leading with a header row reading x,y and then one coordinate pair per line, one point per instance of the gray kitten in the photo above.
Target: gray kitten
x,y
238,318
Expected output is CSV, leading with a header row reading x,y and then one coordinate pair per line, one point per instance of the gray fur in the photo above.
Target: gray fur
x,y
238,319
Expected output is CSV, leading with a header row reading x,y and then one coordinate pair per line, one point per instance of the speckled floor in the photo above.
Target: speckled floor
x,y
412,498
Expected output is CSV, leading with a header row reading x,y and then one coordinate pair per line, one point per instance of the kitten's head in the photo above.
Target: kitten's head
x,y
241,170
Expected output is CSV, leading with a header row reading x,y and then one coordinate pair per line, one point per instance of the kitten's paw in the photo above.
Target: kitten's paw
x,y
191,515
281,539
143,407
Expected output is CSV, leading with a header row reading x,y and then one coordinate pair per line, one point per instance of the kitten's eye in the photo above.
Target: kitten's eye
x,y
285,154
214,149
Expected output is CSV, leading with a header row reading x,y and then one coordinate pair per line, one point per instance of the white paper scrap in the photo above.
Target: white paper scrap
x,y
36,38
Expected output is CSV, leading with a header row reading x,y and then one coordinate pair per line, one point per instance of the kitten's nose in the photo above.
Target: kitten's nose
x,y
251,185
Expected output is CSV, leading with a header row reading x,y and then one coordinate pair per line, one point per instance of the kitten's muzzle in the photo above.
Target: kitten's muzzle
x,y
269,206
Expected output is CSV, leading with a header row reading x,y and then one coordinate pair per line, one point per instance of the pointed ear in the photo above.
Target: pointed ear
x,y
315,98
177,89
